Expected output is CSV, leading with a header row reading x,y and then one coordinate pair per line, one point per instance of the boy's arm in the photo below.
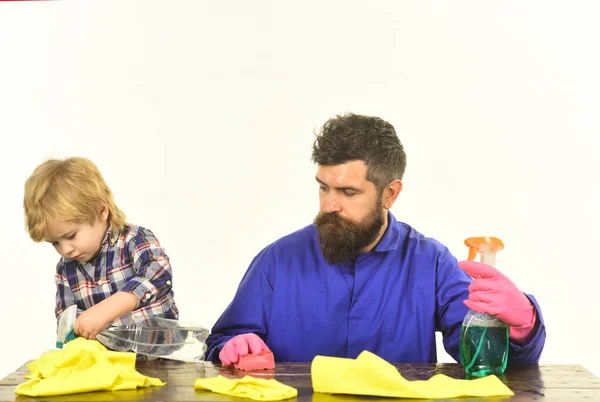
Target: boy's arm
x,y
153,280
99,316
64,295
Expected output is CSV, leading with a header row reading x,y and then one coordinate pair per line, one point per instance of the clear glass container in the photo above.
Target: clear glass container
x,y
483,344
156,337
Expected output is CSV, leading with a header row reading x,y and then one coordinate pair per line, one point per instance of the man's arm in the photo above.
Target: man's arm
x,y
530,352
249,309
452,289
493,293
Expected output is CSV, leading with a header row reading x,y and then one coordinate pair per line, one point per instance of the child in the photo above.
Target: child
x,y
108,267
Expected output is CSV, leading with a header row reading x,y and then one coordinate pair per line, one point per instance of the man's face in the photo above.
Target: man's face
x,y
351,213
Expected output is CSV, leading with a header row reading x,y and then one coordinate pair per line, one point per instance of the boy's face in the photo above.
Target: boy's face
x,y
79,241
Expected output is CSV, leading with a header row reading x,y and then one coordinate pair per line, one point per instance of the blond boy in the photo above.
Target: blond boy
x,y
108,267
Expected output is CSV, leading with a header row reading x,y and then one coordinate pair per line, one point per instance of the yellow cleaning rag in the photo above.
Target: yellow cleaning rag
x,y
259,389
83,366
369,374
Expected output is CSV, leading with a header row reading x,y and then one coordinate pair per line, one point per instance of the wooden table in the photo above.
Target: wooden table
x,y
529,383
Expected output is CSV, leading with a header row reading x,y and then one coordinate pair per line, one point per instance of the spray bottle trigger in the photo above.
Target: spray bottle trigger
x,y
472,254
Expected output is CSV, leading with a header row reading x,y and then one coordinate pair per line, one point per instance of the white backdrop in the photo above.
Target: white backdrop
x,y
200,115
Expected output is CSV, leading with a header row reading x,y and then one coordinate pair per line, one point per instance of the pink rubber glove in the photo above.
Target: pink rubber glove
x,y
493,293
240,346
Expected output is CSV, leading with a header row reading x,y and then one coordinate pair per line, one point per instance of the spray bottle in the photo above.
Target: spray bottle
x,y
483,338
66,326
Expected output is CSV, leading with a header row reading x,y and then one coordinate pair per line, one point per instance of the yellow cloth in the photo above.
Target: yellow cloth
x,y
83,366
259,389
369,374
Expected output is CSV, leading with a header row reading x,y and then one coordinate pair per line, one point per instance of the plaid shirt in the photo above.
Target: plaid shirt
x,y
133,261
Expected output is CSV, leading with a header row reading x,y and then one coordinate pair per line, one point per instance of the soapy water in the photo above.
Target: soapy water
x,y
484,344
484,320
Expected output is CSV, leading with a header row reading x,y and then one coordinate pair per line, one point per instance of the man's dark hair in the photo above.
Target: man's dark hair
x,y
351,137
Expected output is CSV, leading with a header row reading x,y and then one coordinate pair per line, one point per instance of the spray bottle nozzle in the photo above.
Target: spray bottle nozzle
x,y
486,246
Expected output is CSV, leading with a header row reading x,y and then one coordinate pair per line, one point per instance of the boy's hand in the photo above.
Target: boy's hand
x,y
98,317
91,322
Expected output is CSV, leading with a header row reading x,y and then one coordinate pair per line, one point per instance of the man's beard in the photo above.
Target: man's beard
x,y
342,240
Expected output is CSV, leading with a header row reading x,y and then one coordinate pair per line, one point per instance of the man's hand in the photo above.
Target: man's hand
x,y
493,293
241,345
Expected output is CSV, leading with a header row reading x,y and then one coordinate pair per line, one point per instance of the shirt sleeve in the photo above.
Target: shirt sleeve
x,y
452,289
153,279
530,352
248,311
64,294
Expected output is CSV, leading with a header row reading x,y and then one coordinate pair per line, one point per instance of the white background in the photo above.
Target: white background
x,y
200,115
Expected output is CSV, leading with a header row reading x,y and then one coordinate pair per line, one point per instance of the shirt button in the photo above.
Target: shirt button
x,y
148,295
168,282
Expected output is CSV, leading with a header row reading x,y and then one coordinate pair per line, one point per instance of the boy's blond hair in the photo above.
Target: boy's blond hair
x,y
72,189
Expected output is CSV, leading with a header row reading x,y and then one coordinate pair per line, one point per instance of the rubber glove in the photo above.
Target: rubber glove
x,y
493,293
241,345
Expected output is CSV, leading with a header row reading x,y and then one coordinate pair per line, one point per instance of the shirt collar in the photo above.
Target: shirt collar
x,y
391,237
109,238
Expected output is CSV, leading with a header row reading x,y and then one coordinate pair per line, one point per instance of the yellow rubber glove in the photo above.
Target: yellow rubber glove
x,y
259,389
369,374
83,366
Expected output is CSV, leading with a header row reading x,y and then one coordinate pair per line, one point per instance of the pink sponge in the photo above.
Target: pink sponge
x,y
262,361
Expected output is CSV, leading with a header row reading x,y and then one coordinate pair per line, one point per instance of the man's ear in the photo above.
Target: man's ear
x,y
391,193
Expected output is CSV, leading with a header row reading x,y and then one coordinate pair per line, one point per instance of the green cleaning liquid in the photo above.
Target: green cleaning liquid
x,y
483,345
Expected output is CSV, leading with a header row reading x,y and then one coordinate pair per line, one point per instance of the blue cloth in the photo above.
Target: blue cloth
x,y
390,301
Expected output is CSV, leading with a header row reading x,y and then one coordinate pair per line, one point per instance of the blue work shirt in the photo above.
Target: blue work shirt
x,y
390,301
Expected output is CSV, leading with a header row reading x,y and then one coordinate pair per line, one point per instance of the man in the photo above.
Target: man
x,y
357,279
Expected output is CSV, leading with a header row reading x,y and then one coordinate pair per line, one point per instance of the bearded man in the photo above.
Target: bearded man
x,y
358,279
